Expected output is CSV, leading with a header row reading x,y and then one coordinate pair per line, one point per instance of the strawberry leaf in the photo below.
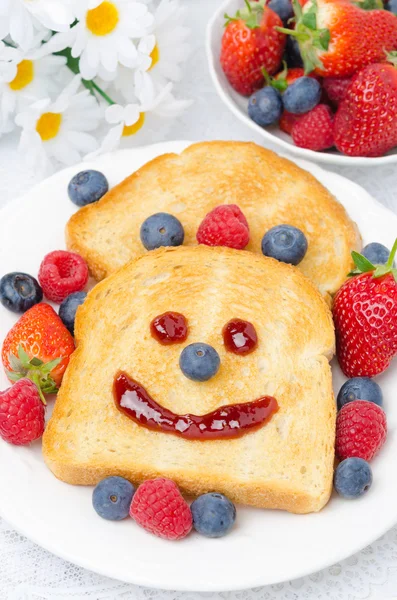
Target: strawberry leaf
x,y
15,363
36,362
12,376
48,367
363,264
23,356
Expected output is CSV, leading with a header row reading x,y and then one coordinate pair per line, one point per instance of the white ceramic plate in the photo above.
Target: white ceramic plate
x,y
266,546
238,104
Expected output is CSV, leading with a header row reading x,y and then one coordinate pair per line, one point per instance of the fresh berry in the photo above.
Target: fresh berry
x,y
61,273
112,498
265,106
360,388
391,5
315,129
87,187
68,309
251,43
285,243
19,292
353,477
292,53
376,253
302,95
366,121
199,362
289,75
161,229
213,515
224,226
283,8
336,88
158,507
337,38
365,317
361,430
38,347
287,121
21,413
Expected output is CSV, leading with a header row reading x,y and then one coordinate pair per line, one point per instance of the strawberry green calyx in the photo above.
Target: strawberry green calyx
x,y
251,15
35,370
363,265
310,37
391,57
278,83
369,4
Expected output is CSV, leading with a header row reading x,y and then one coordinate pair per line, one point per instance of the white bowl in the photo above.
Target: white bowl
x,y
238,104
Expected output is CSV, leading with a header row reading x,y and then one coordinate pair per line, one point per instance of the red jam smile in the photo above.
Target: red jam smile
x,y
225,422
169,328
240,337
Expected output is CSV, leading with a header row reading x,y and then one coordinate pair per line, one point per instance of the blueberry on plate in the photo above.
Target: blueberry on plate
x,y
19,292
376,253
87,187
265,106
68,309
283,8
285,243
292,53
302,95
353,477
112,498
360,388
161,229
199,362
213,515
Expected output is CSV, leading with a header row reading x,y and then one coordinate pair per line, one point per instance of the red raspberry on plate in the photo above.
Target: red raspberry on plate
x,y
336,88
287,121
21,413
315,129
158,507
224,226
62,273
361,430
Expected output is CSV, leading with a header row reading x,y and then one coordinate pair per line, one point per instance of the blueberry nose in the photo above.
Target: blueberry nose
x,y
199,362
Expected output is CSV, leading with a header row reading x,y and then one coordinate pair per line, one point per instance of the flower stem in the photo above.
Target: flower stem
x,y
99,90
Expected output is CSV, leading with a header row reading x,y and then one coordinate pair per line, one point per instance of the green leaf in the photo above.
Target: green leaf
x,y
14,376
15,363
23,356
36,362
309,19
324,38
381,270
362,263
48,367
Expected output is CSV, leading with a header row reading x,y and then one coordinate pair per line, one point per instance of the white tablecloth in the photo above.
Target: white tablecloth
x,y
28,572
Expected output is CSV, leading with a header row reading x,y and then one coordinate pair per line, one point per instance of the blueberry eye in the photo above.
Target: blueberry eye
x,y
240,337
169,328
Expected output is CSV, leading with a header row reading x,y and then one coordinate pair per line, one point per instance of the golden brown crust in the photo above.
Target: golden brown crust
x,y
269,189
286,464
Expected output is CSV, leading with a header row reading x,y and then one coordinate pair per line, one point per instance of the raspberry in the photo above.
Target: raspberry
x,y
21,413
62,273
224,226
315,129
158,507
361,430
336,88
287,121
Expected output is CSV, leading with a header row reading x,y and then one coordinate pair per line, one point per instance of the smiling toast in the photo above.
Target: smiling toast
x,y
286,462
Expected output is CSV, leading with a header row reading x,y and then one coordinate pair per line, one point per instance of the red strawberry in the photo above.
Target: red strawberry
x,y
337,38
38,347
21,413
361,430
366,121
250,43
365,316
315,129
336,88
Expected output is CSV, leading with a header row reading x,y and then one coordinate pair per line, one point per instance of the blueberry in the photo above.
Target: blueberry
x,y
353,477
87,187
285,243
161,229
199,362
360,388
19,292
302,95
376,253
213,515
265,106
391,5
283,8
292,53
112,498
68,309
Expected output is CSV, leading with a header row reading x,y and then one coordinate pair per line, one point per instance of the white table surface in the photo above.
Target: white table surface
x,y
26,571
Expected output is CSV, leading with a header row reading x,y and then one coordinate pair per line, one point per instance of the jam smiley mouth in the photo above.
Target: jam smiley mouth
x,y
226,422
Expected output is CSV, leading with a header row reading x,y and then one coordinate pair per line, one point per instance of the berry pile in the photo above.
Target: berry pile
x,y
310,75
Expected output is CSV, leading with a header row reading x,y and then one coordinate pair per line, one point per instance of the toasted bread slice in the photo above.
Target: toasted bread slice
x,y
285,464
269,190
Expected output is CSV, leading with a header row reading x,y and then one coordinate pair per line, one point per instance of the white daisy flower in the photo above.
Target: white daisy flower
x,y
26,78
103,37
58,130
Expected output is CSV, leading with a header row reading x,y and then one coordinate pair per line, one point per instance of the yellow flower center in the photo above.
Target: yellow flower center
x,y
48,125
133,129
155,56
24,76
103,19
